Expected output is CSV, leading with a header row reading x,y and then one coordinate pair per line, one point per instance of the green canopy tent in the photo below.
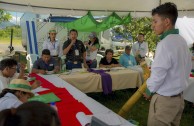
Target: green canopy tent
x,y
87,23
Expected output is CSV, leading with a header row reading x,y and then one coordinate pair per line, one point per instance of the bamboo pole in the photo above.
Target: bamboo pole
x,y
137,95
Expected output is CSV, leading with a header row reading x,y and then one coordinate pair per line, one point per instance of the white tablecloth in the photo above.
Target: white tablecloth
x,y
94,106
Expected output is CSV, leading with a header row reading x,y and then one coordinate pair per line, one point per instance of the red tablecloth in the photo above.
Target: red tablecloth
x,y
68,107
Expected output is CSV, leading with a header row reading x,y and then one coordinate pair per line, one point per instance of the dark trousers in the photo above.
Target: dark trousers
x,y
71,65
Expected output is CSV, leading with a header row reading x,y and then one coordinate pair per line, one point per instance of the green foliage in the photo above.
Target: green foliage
x,y
4,16
6,33
140,25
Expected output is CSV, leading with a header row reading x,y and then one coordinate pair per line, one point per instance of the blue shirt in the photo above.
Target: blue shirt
x,y
127,60
41,65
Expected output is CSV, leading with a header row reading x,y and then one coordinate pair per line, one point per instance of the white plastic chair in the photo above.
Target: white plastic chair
x,y
98,58
31,58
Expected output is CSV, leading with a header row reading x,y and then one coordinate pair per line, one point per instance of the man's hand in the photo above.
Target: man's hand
x,y
22,67
147,97
36,84
73,41
42,71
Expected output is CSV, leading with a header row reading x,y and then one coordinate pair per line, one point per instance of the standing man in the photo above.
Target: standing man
x,y
140,48
126,59
170,69
75,51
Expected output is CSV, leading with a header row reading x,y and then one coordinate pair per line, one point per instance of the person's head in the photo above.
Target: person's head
x,y
127,50
52,34
164,17
46,55
140,37
92,36
32,113
73,34
109,54
20,88
8,67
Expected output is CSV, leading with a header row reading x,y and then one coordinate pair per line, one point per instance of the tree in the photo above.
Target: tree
x,y
4,16
140,25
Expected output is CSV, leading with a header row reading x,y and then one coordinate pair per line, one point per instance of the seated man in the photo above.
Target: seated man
x,y
126,59
108,61
8,72
45,63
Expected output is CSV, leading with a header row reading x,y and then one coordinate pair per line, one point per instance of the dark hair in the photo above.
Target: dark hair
x,y
109,50
5,91
167,10
73,30
95,42
9,62
141,34
45,52
127,48
32,113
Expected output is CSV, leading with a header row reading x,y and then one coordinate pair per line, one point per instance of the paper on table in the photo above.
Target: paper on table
x,y
83,119
109,118
39,89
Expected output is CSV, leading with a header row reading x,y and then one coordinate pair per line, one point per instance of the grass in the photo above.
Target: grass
x,y
139,112
15,41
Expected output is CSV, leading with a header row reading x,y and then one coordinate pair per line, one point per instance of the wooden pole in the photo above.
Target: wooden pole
x,y
137,95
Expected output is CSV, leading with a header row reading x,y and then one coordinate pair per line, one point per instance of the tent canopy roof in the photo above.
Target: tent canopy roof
x,y
98,7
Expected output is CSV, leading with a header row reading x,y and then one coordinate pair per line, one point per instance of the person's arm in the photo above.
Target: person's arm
x,y
133,49
121,61
35,68
84,60
22,71
146,49
67,46
104,66
56,67
93,47
134,61
160,67
115,63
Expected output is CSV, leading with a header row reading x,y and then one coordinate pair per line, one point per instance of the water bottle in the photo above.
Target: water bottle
x,y
53,105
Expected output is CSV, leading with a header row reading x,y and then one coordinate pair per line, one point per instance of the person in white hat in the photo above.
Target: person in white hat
x,y
91,50
18,92
52,44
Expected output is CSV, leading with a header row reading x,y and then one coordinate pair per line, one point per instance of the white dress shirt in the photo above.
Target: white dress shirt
x,y
9,101
54,48
4,81
141,47
171,67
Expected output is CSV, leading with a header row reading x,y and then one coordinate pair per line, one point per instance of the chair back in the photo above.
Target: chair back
x,y
31,58
98,58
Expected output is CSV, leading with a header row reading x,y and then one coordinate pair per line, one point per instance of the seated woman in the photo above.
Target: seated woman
x,y
18,92
108,61
46,64
32,113
91,50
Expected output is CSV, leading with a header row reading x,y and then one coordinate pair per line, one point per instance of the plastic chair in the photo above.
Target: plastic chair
x,y
98,58
31,58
